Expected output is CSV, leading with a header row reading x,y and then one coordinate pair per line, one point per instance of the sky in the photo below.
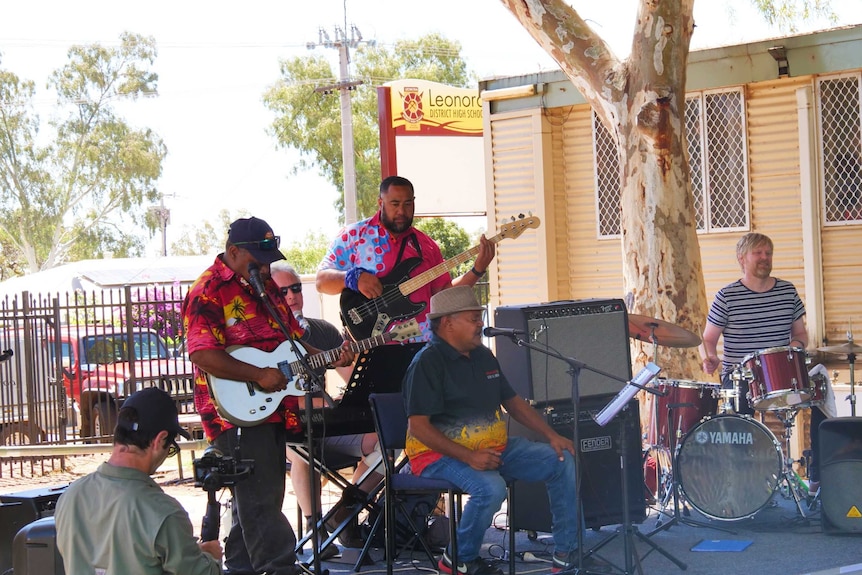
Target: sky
x,y
216,58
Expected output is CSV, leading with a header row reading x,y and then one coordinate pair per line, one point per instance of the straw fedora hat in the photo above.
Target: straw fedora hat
x,y
453,300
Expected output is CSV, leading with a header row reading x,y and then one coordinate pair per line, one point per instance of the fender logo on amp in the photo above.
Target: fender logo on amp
x,y
596,443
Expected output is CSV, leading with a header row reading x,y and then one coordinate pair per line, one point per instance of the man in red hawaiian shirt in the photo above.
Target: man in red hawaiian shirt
x,y
223,309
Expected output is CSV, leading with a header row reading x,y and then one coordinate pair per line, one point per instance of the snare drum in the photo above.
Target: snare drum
x,y
729,466
779,378
701,399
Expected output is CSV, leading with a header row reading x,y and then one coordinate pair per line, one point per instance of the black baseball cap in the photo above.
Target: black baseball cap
x,y
156,412
256,236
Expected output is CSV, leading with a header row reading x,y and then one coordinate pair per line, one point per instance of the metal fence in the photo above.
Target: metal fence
x,y
77,356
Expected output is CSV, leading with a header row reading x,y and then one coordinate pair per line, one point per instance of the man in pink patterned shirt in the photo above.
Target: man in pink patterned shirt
x,y
370,249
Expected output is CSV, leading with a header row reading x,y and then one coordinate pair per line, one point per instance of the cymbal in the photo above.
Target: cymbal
x,y
844,348
643,328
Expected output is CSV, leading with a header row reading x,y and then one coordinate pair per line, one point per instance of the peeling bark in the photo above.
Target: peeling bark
x,y
641,101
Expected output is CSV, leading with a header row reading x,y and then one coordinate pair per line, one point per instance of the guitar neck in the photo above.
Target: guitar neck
x,y
409,286
319,360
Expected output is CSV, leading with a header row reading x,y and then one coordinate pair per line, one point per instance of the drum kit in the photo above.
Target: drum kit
x,y
725,464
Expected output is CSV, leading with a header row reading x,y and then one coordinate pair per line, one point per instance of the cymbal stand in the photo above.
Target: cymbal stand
x,y
851,359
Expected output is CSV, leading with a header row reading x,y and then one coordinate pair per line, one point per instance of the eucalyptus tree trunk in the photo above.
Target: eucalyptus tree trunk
x,y
641,100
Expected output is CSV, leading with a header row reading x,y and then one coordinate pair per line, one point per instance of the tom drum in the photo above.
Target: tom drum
x,y
779,378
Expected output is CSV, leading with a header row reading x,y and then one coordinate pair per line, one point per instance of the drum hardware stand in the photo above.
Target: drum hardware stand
x,y
786,416
850,349
629,531
677,516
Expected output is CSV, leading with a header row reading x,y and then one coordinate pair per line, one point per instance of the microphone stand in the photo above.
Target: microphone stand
x,y
574,370
315,381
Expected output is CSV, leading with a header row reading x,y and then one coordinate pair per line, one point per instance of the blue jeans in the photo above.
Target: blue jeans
x,y
522,459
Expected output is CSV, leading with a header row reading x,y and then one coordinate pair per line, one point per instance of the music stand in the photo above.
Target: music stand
x,y
605,416
378,370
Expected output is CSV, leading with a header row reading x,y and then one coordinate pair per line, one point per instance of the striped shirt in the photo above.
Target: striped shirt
x,y
752,321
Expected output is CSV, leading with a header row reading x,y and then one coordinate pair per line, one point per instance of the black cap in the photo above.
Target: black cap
x,y
156,412
256,236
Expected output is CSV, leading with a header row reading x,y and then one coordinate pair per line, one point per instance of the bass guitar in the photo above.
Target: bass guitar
x,y
365,317
245,403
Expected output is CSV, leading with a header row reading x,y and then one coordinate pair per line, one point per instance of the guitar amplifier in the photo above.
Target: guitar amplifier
x,y
600,452
593,331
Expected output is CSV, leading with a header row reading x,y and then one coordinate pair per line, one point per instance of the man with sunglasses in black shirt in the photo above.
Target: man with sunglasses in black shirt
x,y
323,335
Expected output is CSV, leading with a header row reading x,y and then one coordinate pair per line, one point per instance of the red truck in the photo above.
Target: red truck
x,y
101,369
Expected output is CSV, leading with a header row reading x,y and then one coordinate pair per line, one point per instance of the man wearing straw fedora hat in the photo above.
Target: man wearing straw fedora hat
x,y
453,392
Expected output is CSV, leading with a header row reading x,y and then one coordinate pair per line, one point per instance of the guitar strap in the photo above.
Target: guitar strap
x,y
412,237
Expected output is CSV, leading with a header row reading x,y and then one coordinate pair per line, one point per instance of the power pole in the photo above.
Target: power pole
x,y
344,86
163,214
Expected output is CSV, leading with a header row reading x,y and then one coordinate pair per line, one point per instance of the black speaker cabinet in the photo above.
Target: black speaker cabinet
x,y
840,470
593,331
20,509
601,479
36,551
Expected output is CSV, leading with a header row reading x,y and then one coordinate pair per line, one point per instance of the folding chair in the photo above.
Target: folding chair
x,y
390,420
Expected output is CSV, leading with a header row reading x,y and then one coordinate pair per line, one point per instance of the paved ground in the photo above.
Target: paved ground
x,y
782,543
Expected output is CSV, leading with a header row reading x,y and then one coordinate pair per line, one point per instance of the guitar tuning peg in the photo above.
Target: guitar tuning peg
x,y
521,216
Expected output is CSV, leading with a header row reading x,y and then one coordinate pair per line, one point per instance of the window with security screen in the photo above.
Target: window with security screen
x,y
607,173
840,154
718,161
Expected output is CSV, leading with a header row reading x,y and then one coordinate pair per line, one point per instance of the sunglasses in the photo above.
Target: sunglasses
x,y
267,245
295,288
171,444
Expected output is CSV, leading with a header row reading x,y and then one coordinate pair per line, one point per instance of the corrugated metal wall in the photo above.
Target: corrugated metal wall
x,y
517,151
595,264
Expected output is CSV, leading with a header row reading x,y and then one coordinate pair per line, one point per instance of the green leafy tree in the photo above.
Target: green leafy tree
x,y
206,237
305,255
451,238
79,194
311,122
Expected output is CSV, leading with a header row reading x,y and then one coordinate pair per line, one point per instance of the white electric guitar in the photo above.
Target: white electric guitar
x,y
245,403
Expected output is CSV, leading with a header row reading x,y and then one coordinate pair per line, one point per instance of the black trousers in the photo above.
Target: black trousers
x,y
260,538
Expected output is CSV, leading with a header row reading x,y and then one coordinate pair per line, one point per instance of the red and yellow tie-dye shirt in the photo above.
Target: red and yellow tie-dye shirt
x,y
222,310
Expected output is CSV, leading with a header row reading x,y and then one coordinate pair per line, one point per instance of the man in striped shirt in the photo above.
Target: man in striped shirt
x,y
754,313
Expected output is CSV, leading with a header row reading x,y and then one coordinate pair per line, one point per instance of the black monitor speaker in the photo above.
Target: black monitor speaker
x,y
840,470
593,331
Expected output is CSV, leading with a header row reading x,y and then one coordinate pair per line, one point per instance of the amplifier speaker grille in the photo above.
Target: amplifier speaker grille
x,y
594,332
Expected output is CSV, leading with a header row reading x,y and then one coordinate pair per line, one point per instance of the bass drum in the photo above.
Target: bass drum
x,y
729,466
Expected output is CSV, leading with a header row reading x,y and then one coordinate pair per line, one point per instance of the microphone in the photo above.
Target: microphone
x,y
507,331
255,280
6,354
